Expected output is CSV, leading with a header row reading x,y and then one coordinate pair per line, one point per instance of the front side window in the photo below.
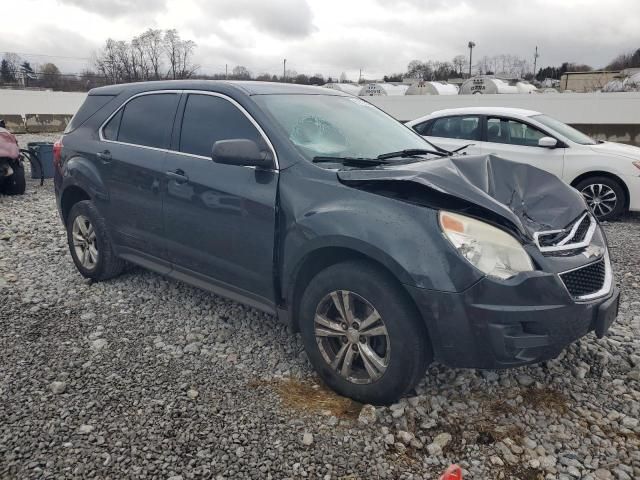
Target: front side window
x,y
207,119
513,132
340,126
564,129
460,127
147,120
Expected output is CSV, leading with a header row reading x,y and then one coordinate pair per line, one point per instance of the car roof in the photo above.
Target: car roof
x,y
245,87
488,111
501,111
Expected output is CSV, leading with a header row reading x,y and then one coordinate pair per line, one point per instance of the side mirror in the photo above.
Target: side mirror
x,y
548,142
242,152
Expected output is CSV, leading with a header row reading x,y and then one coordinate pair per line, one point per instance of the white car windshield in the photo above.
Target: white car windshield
x,y
565,130
339,126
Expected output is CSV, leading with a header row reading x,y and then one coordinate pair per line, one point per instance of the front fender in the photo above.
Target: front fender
x,y
403,237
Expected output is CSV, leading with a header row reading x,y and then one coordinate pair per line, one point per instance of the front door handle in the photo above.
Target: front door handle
x,y
104,156
177,175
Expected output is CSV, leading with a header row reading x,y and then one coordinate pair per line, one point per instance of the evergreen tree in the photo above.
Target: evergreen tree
x,y
6,75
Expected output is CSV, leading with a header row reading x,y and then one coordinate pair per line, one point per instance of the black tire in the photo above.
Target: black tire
x,y
16,183
601,212
409,347
107,265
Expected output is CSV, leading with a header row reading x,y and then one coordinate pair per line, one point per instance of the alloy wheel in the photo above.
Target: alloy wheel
x,y
601,198
84,242
352,337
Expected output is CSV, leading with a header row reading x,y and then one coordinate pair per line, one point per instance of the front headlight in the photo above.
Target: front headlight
x,y
489,249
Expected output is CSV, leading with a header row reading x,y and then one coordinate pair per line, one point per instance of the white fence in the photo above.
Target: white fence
x,y
33,102
574,108
604,110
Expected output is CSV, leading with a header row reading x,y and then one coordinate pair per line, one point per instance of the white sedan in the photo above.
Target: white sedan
x,y
606,173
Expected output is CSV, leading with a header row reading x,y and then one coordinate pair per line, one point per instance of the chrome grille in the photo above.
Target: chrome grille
x,y
575,237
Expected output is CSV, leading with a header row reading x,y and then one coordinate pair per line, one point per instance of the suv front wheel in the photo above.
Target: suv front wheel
x,y
89,243
362,334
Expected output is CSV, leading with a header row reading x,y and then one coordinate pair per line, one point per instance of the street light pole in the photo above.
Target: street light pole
x,y
284,70
471,45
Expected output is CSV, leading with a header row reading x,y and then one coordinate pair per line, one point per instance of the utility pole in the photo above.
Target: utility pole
x,y
360,77
535,61
471,45
226,71
284,70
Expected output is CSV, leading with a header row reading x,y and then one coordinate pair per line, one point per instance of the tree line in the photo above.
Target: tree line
x,y
164,54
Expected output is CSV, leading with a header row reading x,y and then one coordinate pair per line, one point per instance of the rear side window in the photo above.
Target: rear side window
x,y
91,105
147,120
461,127
208,119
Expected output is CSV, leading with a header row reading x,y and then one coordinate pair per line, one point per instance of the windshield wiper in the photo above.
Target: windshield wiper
x,y
462,148
351,161
411,152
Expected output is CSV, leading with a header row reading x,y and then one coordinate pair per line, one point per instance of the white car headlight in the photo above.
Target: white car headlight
x,y
488,248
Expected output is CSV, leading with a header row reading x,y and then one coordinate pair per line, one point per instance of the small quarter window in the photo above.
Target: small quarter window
x,y
110,130
424,127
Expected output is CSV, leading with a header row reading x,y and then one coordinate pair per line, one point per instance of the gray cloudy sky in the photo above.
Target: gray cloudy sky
x,y
330,36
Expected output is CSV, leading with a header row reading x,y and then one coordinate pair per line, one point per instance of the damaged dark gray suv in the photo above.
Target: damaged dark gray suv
x,y
386,252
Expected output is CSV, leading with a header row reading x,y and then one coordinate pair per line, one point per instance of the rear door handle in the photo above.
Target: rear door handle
x,y
104,156
177,175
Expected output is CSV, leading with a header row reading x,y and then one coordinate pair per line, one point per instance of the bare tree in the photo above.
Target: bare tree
x,y
152,43
107,62
10,67
240,73
459,62
179,54
50,75
141,63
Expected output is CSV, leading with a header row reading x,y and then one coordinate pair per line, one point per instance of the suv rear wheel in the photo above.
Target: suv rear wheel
x,y
362,334
89,243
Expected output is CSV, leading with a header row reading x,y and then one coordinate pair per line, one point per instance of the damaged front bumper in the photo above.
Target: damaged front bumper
x,y
504,323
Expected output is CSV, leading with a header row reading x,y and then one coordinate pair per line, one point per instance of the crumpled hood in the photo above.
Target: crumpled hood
x,y
526,197
621,149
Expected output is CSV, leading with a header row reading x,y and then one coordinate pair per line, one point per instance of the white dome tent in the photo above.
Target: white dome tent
x,y
525,87
381,89
432,88
350,88
493,85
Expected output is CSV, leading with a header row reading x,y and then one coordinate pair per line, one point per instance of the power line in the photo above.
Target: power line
x,y
45,55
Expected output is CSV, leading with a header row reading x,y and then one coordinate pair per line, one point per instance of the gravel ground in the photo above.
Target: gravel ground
x,y
144,377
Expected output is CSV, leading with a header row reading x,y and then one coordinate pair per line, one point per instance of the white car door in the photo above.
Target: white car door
x,y
518,141
453,132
